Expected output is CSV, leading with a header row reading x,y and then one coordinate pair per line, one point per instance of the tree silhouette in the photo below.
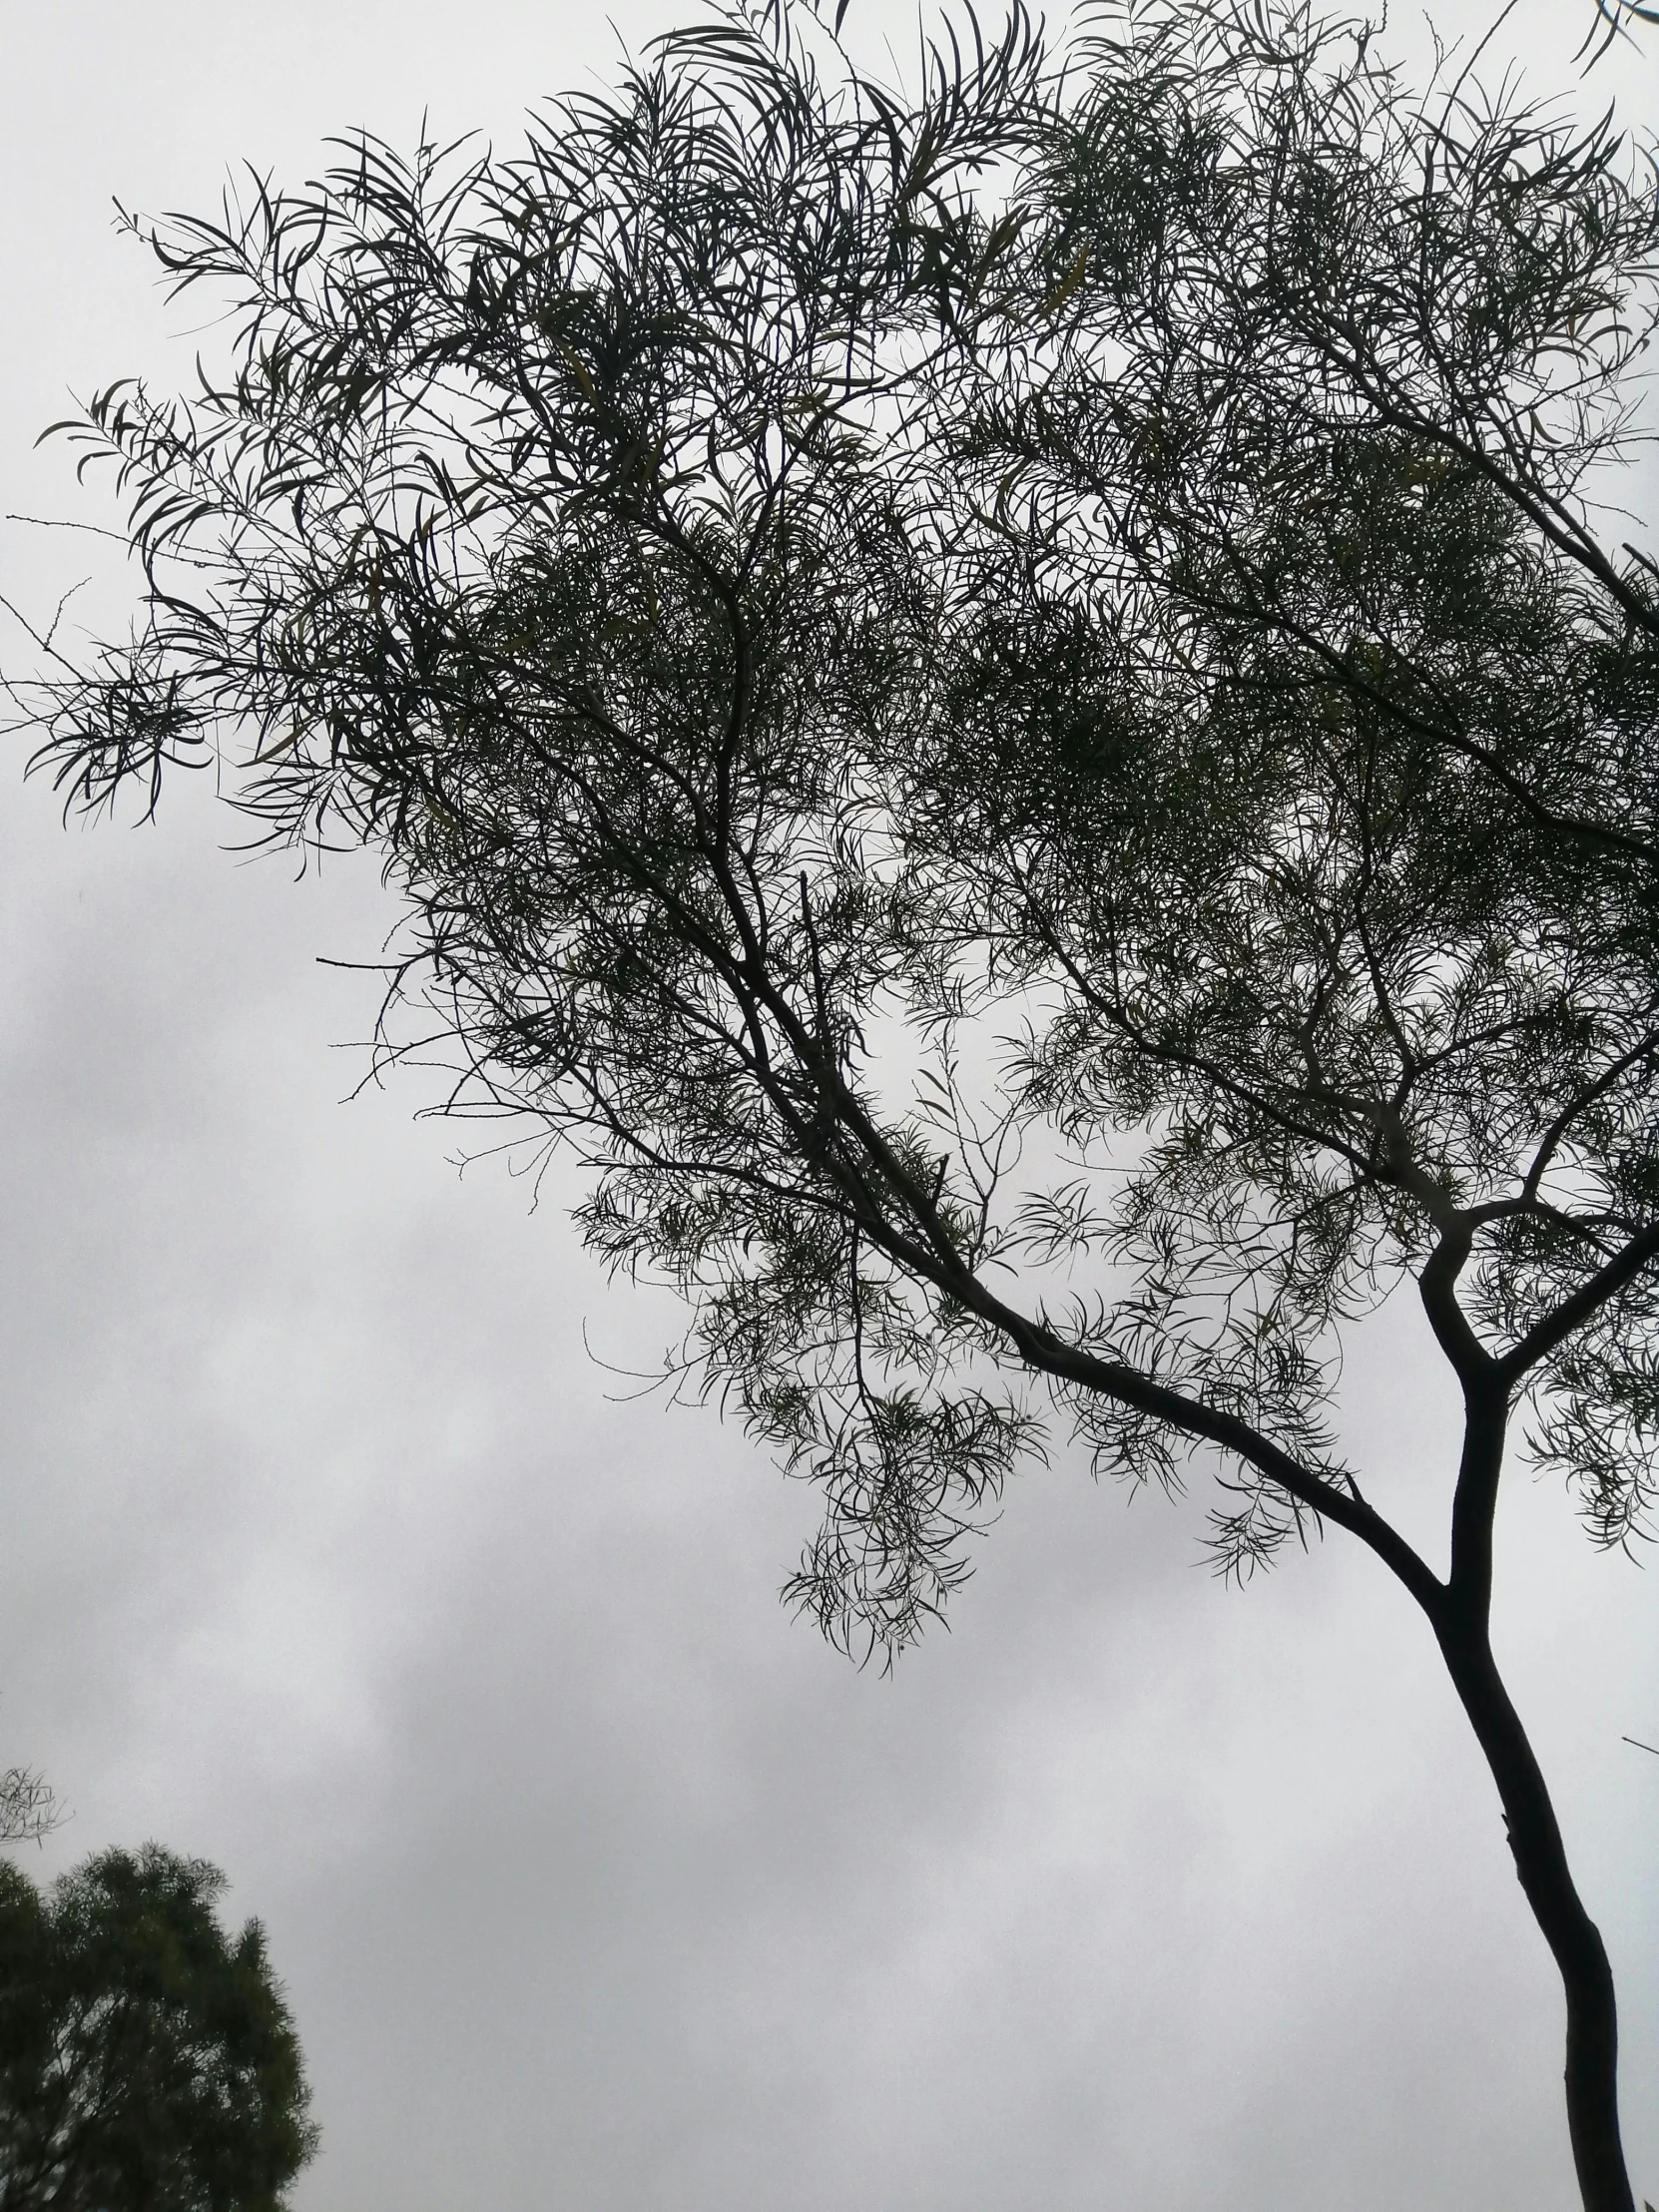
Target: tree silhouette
x,y
147,2060
29,1808
1011,707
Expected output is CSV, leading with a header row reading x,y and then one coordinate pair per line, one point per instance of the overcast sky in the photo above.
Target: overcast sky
x,y
325,1552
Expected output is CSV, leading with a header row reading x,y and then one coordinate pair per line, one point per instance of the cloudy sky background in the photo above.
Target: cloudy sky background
x,y
326,1552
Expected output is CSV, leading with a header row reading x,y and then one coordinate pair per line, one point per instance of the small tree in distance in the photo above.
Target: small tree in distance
x,y
147,2060
1010,706
29,1808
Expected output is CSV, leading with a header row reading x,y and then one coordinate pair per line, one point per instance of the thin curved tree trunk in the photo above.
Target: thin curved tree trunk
x,y
1459,1611
1573,1937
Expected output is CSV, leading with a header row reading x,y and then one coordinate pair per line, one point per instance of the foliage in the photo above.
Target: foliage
x,y
147,2060
1305,741
553,541
1093,569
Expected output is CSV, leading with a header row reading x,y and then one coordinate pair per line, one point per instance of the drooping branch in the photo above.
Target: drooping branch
x,y
1583,1304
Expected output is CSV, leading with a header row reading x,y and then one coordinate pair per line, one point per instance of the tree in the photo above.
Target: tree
x,y
29,1808
1011,707
148,2062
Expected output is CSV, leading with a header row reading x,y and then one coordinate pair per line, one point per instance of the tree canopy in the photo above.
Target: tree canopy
x,y
1020,707
148,2062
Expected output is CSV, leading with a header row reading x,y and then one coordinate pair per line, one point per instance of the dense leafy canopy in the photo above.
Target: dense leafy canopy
x,y
147,2060
1081,590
